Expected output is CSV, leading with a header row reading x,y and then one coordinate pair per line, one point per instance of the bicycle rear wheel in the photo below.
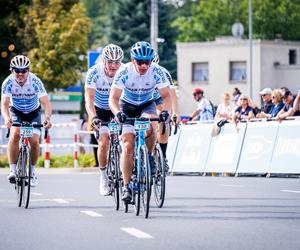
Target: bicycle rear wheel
x,y
145,184
160,177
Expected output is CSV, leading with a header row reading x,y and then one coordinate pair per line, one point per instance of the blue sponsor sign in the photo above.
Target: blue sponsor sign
x,y
93,57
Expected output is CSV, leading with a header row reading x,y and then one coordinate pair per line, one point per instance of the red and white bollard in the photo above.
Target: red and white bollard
x,y
47,152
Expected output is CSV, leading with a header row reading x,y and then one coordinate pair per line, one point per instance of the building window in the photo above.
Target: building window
x,y
292,57
200,72
238,71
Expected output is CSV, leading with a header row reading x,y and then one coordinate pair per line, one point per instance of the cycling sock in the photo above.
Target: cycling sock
x,y
103,168
163,147
12,167
33,169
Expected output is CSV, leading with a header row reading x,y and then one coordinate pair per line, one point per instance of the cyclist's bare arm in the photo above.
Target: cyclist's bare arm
x,y
44,100
114,98
165,94
5,110
174,101
89,102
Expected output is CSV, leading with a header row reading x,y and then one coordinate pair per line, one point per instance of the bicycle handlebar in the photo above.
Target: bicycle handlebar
x,y
24,124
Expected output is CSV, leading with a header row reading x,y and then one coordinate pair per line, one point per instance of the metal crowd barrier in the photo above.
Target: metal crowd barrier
x,y
259,146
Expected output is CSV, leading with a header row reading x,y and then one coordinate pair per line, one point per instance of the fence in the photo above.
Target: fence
x,y
258,147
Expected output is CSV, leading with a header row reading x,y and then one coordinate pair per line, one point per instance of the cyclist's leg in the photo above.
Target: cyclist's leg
x,y
13,148
103,149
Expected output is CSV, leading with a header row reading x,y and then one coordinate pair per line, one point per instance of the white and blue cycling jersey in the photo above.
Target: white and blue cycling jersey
x,y
169,78
139,89
98,80
24,98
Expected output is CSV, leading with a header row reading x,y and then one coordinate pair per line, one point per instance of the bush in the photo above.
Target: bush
x,y
3,161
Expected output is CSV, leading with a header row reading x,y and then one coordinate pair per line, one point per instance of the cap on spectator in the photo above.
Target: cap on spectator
x,y
266,91
198,91
287,93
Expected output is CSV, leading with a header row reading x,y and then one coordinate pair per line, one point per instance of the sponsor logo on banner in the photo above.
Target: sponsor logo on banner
x,y
257,147
287,146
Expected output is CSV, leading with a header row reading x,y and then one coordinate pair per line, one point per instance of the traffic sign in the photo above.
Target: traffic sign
x,y
93,57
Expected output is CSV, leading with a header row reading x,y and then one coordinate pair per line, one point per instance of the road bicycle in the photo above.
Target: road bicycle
x,y
141,180
159,178
23,168
113,168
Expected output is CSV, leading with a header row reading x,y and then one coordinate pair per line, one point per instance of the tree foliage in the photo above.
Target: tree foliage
x,y
97,11
131,23
60,29
211,18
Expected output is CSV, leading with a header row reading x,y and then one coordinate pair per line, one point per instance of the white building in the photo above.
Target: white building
x,y
221,65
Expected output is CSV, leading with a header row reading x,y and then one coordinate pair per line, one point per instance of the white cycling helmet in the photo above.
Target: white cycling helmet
x,y
20,62
156,57
112,52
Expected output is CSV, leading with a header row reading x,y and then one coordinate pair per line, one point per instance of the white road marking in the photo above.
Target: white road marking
x,y
230,185
61,201
290,191
37,194
91,213
88,173
136,233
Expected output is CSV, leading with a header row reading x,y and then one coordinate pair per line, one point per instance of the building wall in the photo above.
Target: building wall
x,y
219,54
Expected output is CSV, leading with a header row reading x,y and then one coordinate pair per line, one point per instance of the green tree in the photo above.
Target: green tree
x,y
97,11
131,23
61,29
10,21
211,18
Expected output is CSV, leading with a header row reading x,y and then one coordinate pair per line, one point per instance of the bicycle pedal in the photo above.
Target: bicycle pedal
x,y
12,181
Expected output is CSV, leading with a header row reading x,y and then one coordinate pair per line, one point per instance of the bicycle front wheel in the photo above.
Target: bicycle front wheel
x,y
26,178
159,177
145,181
18,186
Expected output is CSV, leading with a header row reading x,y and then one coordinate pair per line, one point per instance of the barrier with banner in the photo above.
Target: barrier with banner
x,y
224,151
258,146
172,148
286,153
192,148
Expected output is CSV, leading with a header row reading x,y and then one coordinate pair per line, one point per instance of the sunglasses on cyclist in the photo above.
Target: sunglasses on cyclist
x,y
141,62
113,62
18,71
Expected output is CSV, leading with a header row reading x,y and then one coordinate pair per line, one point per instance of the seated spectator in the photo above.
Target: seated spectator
x,y
244,110
277,102
236,95
225,109
267,104
287,110
296,105
205,110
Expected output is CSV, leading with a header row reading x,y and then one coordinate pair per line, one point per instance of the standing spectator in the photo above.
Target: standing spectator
x,y
296,105
236,95
225,109
277,104
267,104
287,110
205,110
244,110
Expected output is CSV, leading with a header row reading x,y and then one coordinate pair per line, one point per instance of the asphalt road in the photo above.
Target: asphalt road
x,y
66,212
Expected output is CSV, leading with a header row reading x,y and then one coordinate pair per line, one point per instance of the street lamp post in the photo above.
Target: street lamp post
x,y
154,24
250,50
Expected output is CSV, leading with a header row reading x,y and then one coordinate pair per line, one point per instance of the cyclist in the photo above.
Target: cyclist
x,y
132,95
22,94
163,138
97,88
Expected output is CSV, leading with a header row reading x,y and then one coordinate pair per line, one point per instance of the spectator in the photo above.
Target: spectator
x,y
267,104
277,104
225,109
244,110
205,110
236,95
287,110
296,105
